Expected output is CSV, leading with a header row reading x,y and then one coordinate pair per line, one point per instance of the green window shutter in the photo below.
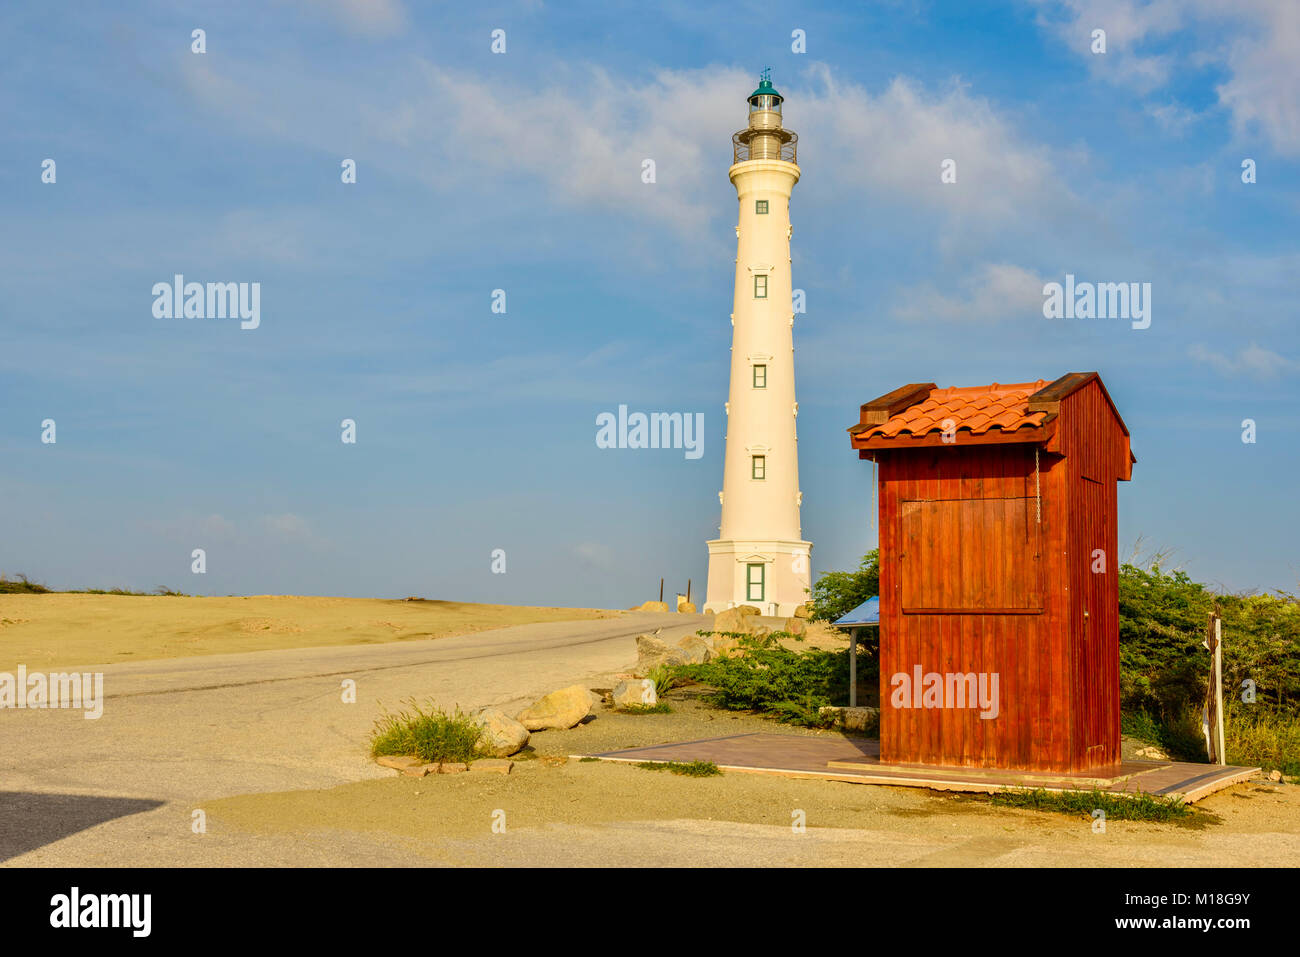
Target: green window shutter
x,y
755,582
760,377
760,207
758,467
760,287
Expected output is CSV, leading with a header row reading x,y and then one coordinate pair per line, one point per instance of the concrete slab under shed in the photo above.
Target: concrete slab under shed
x,y
857,761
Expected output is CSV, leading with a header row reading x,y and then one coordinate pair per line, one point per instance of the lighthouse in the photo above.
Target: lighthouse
x,y
759,557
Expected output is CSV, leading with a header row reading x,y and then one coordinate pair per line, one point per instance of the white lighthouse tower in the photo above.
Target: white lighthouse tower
x,y
760,557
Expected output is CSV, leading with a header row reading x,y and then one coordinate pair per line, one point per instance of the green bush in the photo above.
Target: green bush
x,y
433,736
837,593
788,685
21,586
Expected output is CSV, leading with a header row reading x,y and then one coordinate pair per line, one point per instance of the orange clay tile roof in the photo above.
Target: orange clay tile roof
x,y
974,408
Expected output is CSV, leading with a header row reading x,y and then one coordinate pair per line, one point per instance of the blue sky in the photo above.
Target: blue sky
x,y
521,171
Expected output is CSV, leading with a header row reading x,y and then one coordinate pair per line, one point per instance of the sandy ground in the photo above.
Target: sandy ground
x,y
261,745
580,812
60,630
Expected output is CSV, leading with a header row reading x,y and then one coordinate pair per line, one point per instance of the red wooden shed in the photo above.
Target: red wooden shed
x,y
999,594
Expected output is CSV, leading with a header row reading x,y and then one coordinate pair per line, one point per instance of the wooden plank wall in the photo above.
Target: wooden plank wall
x,y
1028,651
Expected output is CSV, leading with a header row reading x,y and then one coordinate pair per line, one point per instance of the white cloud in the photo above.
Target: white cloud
x,y
1256,42
995,292
585,137
1252,361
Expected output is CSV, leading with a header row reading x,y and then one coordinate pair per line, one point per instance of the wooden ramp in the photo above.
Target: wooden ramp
x,y
857,760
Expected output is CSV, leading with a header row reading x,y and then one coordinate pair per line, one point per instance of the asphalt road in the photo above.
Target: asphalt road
x,y
121,790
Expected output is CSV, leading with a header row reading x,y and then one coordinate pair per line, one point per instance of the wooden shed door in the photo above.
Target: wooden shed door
x,y
970,555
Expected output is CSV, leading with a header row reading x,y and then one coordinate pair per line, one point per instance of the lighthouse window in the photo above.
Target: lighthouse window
x,y
760,377
760,207
760,287
758,467
754,581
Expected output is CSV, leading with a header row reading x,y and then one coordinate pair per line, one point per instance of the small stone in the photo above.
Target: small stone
x,y
502,735
1151,753
450,767
420,771
553,760
1275,775
492,765
398,762
637,693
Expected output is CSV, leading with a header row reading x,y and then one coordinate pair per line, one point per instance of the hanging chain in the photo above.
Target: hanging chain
x,y
1038,497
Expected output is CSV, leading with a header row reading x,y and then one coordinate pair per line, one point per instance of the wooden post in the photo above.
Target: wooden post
x,y
1218,685
853,667
1212,720
661,589
688,591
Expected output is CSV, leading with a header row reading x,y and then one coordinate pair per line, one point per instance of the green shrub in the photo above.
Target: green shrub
x,y
433,735
768,678
21,586
664,678
837,593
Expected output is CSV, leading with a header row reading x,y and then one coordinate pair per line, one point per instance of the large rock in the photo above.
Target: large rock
x,y
803,611
796,626
637,693
653,652
733,619
559,709
654,606
696,649
502,735
686,608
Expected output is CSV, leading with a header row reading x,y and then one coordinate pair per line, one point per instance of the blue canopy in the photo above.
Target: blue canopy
x,y
868,613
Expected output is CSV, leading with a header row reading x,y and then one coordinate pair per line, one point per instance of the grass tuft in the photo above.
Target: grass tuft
x,y
694,769
1136,807
433,735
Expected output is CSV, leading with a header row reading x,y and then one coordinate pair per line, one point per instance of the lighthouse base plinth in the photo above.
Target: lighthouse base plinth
x,y
772,576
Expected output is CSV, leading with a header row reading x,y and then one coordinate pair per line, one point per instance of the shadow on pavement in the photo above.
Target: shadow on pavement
x,y
29,820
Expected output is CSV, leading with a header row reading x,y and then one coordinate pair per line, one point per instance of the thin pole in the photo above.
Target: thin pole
x,y
1218,685
853,668
688,591
661,589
